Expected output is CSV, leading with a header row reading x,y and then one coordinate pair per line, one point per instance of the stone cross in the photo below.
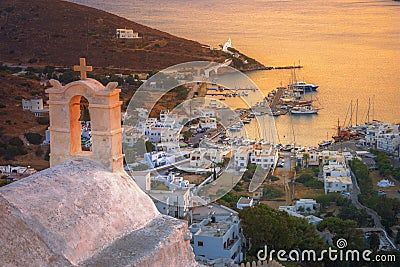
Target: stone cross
x,y
82,68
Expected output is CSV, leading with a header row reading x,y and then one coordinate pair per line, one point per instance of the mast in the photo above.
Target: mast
x,y
351,113
338,127
373,107
357,112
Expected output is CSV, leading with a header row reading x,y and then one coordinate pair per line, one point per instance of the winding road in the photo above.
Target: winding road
x,y
354,199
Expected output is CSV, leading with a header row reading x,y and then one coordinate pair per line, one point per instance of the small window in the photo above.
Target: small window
x,y
200,243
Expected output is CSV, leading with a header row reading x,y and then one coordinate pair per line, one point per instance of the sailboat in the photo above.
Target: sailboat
x,y
305,110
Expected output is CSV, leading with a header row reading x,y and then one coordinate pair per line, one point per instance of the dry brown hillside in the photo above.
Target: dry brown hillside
x,y
54,32
15,123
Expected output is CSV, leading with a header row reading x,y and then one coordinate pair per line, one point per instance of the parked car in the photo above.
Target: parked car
x,y
346,194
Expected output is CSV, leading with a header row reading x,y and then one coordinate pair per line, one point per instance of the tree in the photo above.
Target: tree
x,y
139,147
346,229
374,242
278,230
149,146
398,237
187,135
306,157
214,174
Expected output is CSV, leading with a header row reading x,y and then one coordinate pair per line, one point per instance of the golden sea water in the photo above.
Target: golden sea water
x,y
350,48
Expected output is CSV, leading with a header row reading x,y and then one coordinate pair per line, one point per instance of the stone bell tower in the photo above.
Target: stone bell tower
x,y
105,113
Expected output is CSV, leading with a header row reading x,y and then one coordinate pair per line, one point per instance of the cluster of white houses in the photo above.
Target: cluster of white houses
x,y
335,170
216,232
382,136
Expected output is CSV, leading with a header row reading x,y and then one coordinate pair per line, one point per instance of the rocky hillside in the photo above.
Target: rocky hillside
x,y
54,32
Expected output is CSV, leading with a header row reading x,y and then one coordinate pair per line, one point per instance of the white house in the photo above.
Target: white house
x,y
208,123
35,105
241,157
207,112
176,199
197,157
218,237
337,184
336,172
313,219
46,140
333,158
215,155
306,205
131,135
160,158
385,183
143,113
313,158
381,131
388,142
264,155
169,135
175,202
244,202
126,34
291,210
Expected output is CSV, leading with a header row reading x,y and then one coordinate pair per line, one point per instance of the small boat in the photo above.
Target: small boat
x,y
235,127
304,110
303,87
287,148
325,143
246,120
276,113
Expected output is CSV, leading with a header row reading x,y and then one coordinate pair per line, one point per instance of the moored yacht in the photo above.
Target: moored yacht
x,y
325,143
306,110
302,87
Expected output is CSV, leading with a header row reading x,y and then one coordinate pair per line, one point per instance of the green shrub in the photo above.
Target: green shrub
x,y
16,142
34,138
39,152
314,184
270,192
274,178
304,178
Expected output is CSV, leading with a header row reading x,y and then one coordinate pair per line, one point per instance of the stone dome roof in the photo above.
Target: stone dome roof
x,y
67,213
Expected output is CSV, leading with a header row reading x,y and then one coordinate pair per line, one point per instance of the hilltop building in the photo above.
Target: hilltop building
x,y
35,105
126,34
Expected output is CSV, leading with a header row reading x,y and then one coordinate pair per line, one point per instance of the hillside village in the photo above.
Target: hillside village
x,y
202,146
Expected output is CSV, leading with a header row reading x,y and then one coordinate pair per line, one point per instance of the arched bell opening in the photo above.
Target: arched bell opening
x,y
80,125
